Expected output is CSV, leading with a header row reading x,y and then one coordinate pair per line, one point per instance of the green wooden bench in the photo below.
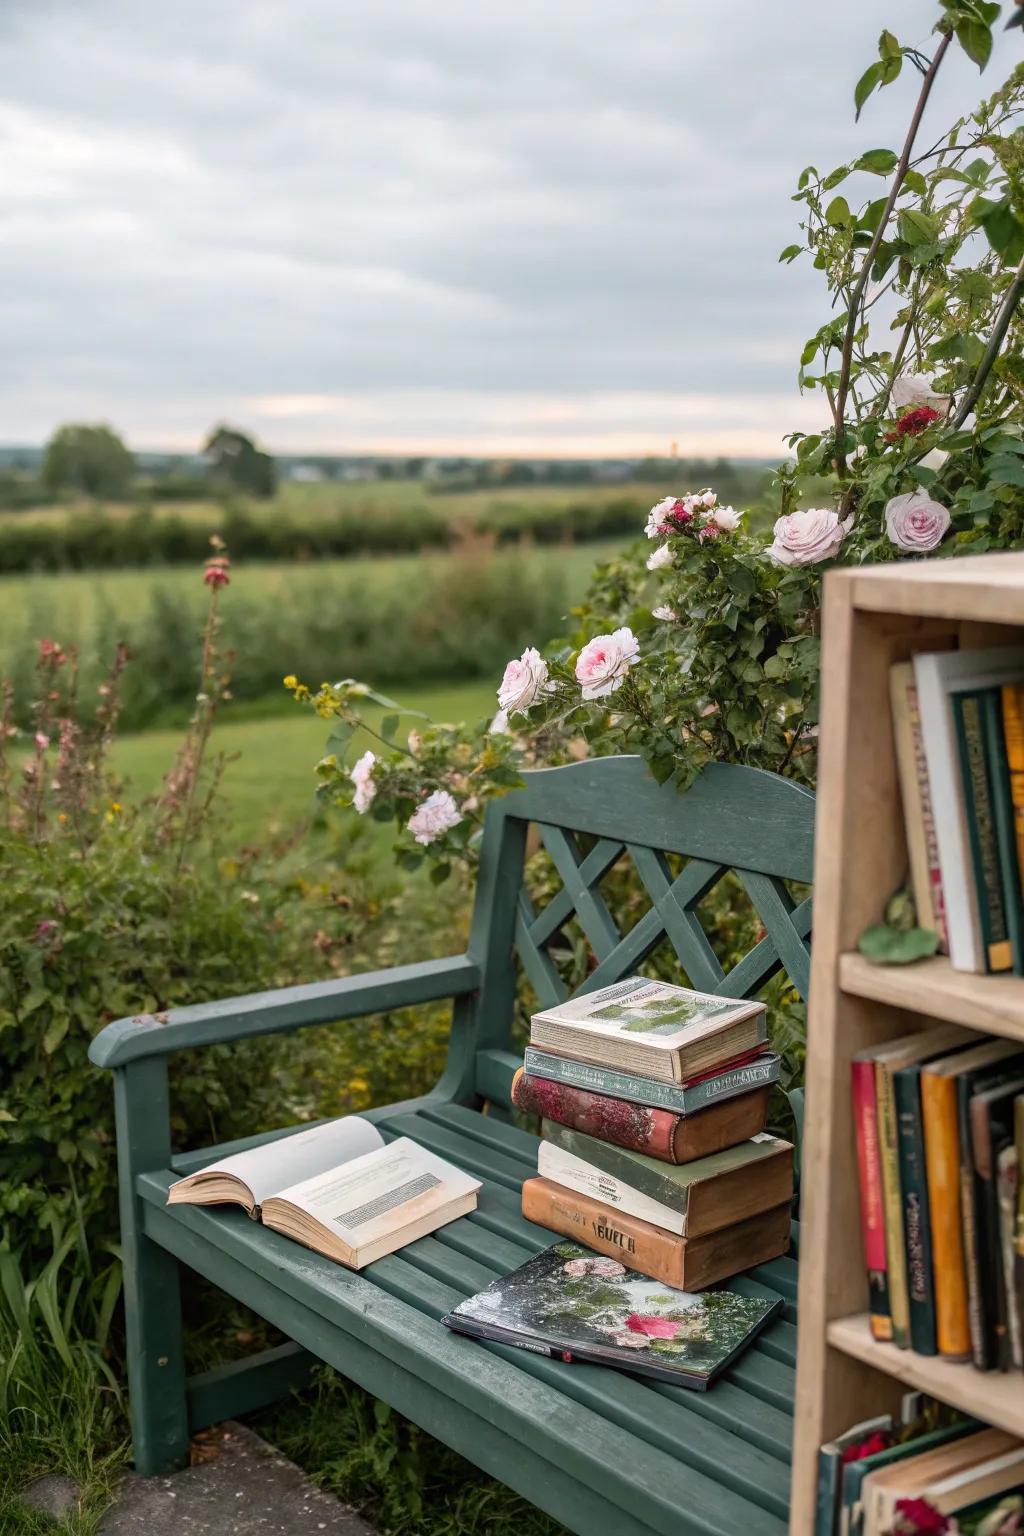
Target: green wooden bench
x,y
600,1451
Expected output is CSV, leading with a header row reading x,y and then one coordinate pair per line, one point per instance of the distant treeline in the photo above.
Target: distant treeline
x,y
93,539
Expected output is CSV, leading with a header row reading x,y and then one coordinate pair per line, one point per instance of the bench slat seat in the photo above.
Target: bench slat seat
x,y
738,1435
601,1451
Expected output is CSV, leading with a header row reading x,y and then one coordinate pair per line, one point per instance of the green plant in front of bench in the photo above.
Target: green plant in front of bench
x,y
585,1446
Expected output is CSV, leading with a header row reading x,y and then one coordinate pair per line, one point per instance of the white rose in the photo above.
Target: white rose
x,y
362,777
604,661
915,522
805,538
726,518
660,559
914,389
656,517
707,498
436,816
522,682
663,611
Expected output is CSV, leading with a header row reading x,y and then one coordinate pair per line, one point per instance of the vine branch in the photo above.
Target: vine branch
x,y
1011,299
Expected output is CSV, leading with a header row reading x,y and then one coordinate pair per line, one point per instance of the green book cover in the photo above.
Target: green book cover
x,y
917,1235
668,1183
988,880
1003,816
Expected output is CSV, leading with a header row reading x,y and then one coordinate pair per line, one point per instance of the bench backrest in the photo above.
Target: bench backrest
x,y
737,819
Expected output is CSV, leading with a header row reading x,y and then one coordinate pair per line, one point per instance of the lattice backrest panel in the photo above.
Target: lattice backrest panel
x,y
593,816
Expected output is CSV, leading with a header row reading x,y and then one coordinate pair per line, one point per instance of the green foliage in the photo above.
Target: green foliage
x,y
236,459
87,461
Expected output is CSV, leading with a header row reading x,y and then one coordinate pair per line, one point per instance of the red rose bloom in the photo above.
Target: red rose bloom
x,y
916,1517
912,422
869,1447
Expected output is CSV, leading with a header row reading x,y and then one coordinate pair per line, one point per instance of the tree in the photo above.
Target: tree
x,y
236,459
89,460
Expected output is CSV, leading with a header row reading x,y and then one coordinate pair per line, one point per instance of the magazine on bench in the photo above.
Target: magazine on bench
x,y
338,1188
572,1304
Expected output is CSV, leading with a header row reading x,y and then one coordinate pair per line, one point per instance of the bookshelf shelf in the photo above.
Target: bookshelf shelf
x,y
994,1004
997,1399
872,618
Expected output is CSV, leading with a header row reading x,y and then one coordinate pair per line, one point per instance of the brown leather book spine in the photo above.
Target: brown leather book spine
x,y
689,1264
655,1132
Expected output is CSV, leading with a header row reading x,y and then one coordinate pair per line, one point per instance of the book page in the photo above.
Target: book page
x,y
649,1013
268,1169
374,1195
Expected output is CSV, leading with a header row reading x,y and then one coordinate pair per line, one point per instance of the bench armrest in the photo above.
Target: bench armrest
x,y
269,1013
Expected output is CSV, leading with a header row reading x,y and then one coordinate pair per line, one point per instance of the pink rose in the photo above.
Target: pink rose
x,y
523,681
604,661
657,517
362,777
436,816
726,518
805,538
915,522
662,557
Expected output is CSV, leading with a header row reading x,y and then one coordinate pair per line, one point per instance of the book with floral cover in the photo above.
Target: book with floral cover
x,y
573,1305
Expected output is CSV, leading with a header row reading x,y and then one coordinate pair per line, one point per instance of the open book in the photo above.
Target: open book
x,y
338,1188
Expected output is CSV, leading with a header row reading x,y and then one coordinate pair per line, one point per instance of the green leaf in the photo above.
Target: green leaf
x,y
889,47
871,217
884,945
835,177
866,84
54,1034
975,38
838,213
790,253
878,161
388,727
1005,469
916,227
914,182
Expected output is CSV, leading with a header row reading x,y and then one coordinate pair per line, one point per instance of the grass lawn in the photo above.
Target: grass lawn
x,y
269,785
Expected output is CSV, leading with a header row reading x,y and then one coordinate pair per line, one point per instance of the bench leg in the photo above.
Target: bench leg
x,y
156,1365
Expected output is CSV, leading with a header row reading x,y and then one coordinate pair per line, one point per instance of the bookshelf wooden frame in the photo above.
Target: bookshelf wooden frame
x,y
872,618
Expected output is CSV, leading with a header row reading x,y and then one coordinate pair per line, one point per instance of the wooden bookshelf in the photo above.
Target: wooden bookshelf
x,y
873,617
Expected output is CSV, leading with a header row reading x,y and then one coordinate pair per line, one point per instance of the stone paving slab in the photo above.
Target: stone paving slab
x,y
241,1487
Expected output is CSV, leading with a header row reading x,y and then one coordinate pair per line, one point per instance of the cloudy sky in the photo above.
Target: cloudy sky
x,y
547,226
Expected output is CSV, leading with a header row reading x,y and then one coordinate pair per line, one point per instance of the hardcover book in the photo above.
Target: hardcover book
x,y
690,1263
952,1477
1013,737
572,1304
922,847
872,1205
688,1199
969,710
655,1132
338,1188
991,1135
652,1028
753,1069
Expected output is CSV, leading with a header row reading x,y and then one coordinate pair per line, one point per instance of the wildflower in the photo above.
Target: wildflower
x,y
42,740
604,662
664,612
522,682
660,559
218,572
806,538
46,931
291,681
50,651
362,777
436,816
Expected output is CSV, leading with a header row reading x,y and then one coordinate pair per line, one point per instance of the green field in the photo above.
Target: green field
x,y
269,785
68,605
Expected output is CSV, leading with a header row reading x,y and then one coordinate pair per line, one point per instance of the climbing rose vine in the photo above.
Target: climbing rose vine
x,y
701,641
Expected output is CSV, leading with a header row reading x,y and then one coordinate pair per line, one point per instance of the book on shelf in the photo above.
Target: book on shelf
x,y
658,1133
990,1116
915,793
687,1199
651,1028
1007,1194
832,1456
905,1258
1018,1258
854,1473
574,1305
940,1105
952,1478
337,1188
689,1263
1013,739
940,676
973,714
872,1204
755,1068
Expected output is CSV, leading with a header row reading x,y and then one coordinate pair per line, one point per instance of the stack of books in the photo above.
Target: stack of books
x,y
939,1119
936,1472
958,721
653,1101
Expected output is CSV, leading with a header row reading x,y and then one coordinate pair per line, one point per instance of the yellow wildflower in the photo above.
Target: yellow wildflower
x,y
291,681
